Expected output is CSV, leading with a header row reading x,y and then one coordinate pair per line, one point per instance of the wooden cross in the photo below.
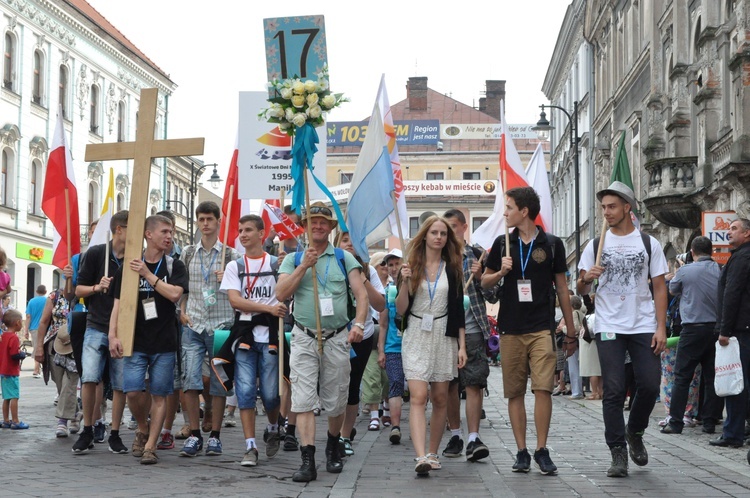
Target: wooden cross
x,y
142,151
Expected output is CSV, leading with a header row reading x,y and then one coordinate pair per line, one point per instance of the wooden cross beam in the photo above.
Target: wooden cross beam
x,y
142,151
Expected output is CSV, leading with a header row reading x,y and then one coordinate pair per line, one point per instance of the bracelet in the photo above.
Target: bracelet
x,y
155,283
570,342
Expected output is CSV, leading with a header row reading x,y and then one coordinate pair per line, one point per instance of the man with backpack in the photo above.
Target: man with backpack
x,y
627,321
338,273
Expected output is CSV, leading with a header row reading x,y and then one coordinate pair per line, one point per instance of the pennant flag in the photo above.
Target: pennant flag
x,y
284,227
267,223
100,235
60,198
536,172
370,200
621,173
398,181
510,163
233,219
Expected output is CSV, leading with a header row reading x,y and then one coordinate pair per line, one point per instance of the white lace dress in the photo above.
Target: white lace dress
x,y
430,356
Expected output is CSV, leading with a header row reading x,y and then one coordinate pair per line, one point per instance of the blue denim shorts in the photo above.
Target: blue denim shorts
x,y
195,347
251,365
94,358
394,367
160,368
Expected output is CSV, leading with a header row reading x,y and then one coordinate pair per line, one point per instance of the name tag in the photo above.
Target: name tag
x,y
209,297
246,317
427,320
326,306
149,308
608,336
524,291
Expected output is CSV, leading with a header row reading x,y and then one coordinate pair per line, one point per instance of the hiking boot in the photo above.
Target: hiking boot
x,y
619,467
345,447
476,450
149,457
454,448
523,461
193,445
166,442
307,472
334,464
85,443
395,437
544,462
638,452
116,446
251,458
290,443
272,444
139,444
213,448
100,432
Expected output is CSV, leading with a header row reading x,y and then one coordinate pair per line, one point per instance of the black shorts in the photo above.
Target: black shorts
x,y
477,370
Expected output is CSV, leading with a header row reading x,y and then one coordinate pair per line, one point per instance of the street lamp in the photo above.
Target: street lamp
x,y
543,128
195,174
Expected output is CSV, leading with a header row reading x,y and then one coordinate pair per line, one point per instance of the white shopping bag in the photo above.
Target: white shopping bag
x,y
728,380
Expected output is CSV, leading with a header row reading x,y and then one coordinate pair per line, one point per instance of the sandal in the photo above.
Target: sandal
x,y
374,425
434,461
423,467
593,397
386,421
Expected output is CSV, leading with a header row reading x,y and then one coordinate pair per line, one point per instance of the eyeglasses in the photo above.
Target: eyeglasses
x,y
321,210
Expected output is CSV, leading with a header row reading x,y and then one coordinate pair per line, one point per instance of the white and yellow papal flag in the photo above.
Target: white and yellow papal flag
x,y
101,232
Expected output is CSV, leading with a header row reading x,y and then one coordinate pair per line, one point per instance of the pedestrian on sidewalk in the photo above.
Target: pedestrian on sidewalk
x,y
627,321
10,368
574,367
430,298
34,310
526,319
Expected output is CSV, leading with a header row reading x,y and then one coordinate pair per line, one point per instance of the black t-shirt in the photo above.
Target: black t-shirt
x,y
158,335
91,272
517,317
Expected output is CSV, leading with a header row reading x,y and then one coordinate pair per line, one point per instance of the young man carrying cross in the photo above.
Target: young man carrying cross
x,y
161,285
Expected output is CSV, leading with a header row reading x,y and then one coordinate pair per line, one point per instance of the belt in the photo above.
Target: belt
x,y
699,324
314,333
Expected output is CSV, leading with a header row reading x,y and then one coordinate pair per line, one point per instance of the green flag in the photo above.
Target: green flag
x,y
621,171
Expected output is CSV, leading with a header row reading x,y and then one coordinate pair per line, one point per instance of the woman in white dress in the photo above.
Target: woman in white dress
x,y
430,298
589,357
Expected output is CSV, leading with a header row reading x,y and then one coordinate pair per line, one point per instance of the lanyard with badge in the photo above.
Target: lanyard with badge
x,y
149,304
245,317
428,318
326,300
209,294
524,286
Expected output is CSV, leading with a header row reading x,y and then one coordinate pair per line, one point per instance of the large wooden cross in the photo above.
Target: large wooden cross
x,y
142,151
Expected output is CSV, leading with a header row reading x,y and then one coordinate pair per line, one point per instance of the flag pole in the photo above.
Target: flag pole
x,y
601,243
106,255
398,224
471,277
313,270
507,232
226,226
68,282
282,336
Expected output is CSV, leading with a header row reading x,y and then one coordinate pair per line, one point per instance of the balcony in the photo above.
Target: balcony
x,y
671,185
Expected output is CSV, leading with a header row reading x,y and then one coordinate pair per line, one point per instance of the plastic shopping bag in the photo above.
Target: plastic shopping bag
x,y
728,380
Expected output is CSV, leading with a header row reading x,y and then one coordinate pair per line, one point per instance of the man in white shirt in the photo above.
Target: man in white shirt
x,y
627,320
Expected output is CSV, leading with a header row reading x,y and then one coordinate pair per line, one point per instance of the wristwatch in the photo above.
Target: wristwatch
x,y
360,325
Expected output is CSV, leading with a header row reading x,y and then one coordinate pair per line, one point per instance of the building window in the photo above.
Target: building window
x,y
345,177
470,175
413,226
476,222
63,91
94,115
38,79
121,121
35,190
435,176
9,61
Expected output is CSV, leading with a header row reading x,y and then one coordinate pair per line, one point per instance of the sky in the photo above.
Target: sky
x,y
213,50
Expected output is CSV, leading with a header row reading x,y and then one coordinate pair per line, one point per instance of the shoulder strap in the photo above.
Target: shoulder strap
x,y
342,264
297,258
170,264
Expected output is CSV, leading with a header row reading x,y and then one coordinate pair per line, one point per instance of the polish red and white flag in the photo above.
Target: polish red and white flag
x,y
284,227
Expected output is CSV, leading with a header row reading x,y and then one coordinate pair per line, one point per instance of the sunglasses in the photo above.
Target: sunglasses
x,y
321,210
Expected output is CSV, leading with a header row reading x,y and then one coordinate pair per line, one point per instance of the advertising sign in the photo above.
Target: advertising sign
x,y
34,253
413,132
486,131
715,226
431,188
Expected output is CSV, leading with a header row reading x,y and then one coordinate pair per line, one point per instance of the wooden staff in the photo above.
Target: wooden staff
x,y
471,276
398,224
314,272
282,336
601,243
507,231
106,255
69,281
228,220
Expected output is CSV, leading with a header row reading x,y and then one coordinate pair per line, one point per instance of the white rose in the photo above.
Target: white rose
x,y
312,99
276,111
289,115
284,125
298,87
298,101
299,119
328,101
314,111
286,93
309,86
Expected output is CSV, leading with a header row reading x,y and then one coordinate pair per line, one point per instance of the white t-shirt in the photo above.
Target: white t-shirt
x,y
369,324
623,300
260,289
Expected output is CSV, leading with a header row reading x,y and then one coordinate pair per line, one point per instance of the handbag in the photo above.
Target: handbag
x,y
729,380
587,336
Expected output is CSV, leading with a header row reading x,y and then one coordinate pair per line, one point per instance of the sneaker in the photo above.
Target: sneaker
x,y
85,443
149,457
272,444
166,442
213,448
544,462
37,375
619,467
638,452
671,429
290,443
347,445
139,444
688,422
395,437
454,448
724,443
132,425
476,450
192,446
100,432
250,459
523,461
62,430
229,420
116,446
663,423
75,423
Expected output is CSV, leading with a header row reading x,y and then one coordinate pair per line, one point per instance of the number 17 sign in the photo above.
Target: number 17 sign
x,y
295,47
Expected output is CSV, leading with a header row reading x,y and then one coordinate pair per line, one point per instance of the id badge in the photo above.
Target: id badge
x,y
427,320
246,317
524,291
209,297
149,308
326,306
608,336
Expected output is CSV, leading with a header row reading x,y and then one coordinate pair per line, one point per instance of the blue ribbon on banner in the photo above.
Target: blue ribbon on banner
x,y
305,138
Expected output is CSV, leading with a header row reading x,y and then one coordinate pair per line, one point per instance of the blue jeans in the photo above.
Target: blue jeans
x,y
160,369
95,356
734,424
195,346
251,365
576,383
647,370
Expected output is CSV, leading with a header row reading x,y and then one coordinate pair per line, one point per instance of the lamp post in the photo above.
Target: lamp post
x,y
543,127
195,174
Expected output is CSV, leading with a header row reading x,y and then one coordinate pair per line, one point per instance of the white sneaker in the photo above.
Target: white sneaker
x,y
664,422
62,430
132,424
229,420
